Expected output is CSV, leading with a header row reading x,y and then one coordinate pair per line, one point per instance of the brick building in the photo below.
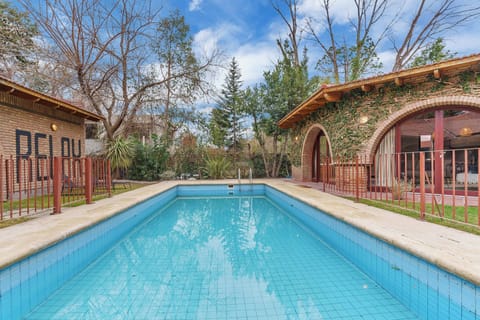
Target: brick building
x,y
429,108
36,125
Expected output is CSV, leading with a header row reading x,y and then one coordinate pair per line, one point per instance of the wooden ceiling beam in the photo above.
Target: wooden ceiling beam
x,y
304,112
437,74
333,96
367,88
399,81
320,100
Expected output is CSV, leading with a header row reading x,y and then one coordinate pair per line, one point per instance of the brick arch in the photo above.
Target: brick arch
x,y
409,109
307,149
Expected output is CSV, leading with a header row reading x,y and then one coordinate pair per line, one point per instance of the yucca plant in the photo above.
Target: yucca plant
x,y
216,168
120,152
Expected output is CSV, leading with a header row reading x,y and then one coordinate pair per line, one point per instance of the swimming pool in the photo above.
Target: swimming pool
x,y
188,256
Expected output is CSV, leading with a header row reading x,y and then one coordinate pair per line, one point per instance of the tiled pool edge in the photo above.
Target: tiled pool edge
x,y
427,290
29,241
42,232
455,251
276,185
465,264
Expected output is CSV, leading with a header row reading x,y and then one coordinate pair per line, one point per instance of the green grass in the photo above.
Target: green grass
x,y
414,211
118,190
11,222
15,205
472,212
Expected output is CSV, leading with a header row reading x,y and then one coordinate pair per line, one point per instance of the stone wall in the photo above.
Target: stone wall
x,y
348,137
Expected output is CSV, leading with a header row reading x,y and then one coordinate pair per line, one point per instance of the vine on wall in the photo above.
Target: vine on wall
x,y
341,120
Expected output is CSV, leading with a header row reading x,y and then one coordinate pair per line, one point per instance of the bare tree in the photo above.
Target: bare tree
x,y
293,65
343,59
106,45
294,33
431,20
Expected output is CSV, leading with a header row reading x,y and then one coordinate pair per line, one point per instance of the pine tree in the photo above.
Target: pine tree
x,y
227,118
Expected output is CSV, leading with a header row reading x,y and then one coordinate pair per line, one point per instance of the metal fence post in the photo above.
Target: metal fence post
x,y
357,180
57,185
422,185
88,180
109,178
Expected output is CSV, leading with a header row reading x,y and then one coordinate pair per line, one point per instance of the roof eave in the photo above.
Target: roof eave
x,y
37,97
366,84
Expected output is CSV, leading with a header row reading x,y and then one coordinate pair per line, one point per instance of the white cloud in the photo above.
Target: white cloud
x,y
254,59
194,5
205,41
205,109
388,59
340,10
211,39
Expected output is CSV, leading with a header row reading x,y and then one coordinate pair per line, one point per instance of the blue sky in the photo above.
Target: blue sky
x,y
245,30
248,29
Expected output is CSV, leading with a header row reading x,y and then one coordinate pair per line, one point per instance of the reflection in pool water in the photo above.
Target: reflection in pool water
x,y
221,258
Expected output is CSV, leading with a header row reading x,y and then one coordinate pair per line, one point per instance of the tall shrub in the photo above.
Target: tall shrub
x,y
149,161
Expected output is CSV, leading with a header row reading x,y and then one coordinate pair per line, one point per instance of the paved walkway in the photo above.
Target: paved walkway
x,y
453,250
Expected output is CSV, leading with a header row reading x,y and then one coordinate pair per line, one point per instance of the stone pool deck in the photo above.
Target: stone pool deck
x,y
452,250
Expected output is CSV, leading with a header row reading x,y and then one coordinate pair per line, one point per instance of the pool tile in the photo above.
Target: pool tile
x,y
233,283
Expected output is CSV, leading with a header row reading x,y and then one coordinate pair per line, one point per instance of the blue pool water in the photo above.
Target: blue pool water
x,y
229,252
221,258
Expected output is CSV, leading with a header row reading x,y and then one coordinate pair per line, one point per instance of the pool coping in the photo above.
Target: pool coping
x,y
453,250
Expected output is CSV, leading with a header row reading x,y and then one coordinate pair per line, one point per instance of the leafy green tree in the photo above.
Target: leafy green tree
x,y
434,52
173,47
149,161
189,155
218,127
226,121
284,87
17,33
351,62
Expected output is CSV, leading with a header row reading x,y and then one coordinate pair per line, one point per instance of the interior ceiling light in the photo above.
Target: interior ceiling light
x,y
466,132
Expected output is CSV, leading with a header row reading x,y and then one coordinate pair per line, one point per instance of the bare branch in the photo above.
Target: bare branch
x,y
294,34
107,48
431,20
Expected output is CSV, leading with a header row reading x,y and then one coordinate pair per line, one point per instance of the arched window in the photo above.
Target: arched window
x,y
455,131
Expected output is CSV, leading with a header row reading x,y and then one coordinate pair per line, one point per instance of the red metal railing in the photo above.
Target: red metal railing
x,y
37,185
441,184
